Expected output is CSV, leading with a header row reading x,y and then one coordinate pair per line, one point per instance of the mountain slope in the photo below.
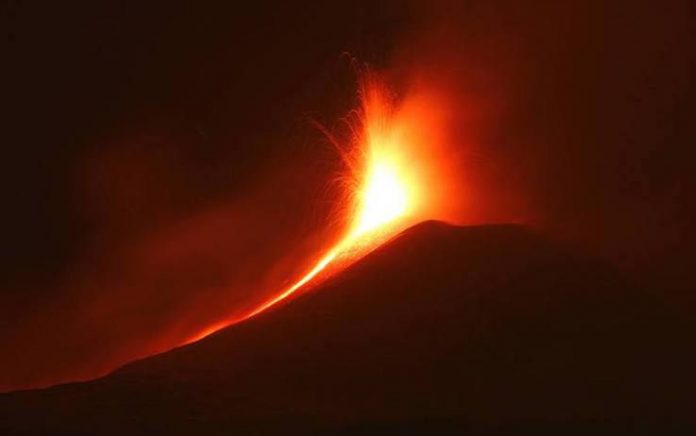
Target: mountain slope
x,y
444,328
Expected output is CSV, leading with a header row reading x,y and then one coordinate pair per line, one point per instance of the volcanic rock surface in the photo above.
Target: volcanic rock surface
x,y
444,329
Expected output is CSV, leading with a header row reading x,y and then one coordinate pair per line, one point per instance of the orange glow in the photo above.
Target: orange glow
x,y
392,169
384,197
323,263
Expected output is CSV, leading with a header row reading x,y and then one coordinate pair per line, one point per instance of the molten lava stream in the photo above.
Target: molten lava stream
x,y
386,195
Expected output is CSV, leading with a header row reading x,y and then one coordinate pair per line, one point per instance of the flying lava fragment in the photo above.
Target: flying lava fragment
x,y
391,166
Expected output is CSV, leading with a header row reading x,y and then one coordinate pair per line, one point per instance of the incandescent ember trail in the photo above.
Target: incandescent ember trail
x,y
388,191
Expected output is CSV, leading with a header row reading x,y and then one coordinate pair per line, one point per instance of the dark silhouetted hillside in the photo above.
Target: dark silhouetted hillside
x,y
442,330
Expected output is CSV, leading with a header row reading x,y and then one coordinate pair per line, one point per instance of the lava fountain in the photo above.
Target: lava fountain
x,y
394,180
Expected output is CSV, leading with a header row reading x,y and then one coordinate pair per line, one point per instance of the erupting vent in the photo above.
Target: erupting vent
x,y
390,173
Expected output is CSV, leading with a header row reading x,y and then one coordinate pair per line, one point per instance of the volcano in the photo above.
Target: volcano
x,y
486,329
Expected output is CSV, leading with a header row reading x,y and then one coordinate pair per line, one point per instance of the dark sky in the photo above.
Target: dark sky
x,y
156,154
201,83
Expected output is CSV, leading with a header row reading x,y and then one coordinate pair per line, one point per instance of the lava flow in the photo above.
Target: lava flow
x,y
389,173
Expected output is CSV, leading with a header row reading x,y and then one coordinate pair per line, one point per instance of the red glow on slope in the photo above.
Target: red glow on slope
x,y
395,181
